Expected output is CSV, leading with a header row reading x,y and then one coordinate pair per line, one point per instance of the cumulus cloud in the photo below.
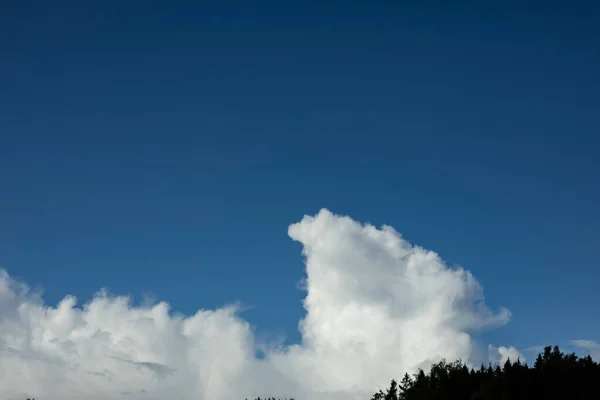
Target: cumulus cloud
x,y
376,307
501,354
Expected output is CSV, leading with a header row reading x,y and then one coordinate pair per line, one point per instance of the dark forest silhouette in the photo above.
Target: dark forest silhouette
x,y
553,375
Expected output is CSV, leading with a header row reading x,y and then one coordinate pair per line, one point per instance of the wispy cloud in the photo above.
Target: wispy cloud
x,y
159,369
588,347
533,349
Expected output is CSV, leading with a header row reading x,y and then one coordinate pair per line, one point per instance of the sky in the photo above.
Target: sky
x,y
304,198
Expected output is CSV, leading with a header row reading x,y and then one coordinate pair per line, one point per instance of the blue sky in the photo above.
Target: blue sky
x,y
163,149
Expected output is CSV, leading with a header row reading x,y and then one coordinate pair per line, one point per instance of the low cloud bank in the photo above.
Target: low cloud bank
x,y
376,307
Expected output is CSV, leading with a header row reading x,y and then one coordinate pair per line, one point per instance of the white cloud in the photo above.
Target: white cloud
x,y
501,354
376,307
588,347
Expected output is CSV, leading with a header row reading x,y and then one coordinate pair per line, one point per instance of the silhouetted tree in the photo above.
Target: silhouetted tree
x,y
553,375
392,392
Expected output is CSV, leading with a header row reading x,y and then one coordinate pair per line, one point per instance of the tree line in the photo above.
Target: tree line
x,y
554,374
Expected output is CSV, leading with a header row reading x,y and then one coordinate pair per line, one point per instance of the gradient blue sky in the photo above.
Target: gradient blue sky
x,y
163,148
